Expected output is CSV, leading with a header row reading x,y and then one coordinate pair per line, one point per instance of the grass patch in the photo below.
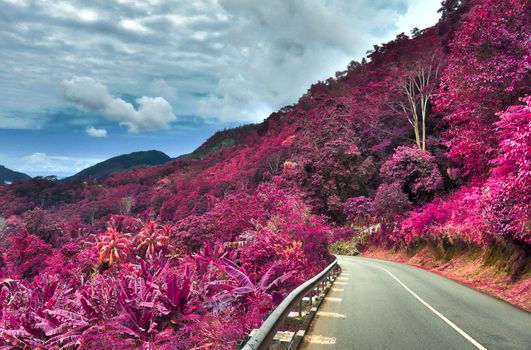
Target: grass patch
x,y
414,249
349,248
475,253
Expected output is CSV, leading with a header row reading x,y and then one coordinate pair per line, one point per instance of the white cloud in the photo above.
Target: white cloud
x,y
42,164
92,131
252,58
88,15
273,53
133,25
162,88
18,2
29,122
153,113
64,9
420,14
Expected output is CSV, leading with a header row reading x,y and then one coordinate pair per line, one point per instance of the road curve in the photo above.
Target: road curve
x,y
377,304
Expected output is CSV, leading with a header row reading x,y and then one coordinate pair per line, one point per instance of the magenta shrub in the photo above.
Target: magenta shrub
x,y
358,209
415,170
459,216
390,201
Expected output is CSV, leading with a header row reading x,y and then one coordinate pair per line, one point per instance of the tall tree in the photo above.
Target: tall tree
x,y
416,89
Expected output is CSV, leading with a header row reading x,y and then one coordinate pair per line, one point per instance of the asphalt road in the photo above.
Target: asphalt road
x,y
376,304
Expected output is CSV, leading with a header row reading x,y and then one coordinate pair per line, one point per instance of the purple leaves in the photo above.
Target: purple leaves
x,y
243,286
415,170
131,307
238,274
176,296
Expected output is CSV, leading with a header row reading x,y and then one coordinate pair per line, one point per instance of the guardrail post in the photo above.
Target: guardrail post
x,y
300,308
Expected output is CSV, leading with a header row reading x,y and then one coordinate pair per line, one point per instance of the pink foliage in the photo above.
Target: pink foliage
x,y
486,70
390,201
147,294
415,170
26,255
457,217
513,162
358,209
508,190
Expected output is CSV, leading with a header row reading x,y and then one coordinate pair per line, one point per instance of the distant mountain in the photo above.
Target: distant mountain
x,y
225,138
120,163
8,175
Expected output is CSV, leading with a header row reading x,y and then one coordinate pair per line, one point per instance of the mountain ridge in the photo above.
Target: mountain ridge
x,y
121,163
8,175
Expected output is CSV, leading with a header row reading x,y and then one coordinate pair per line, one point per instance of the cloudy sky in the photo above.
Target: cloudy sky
x,y
82,81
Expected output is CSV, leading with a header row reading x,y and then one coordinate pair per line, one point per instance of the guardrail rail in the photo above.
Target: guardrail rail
x,y
284,328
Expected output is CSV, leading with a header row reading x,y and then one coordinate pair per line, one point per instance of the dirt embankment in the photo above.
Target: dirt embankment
x,y
502,271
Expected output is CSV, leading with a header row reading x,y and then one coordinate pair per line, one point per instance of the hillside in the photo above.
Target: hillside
x,y
408,149
8,175
121,163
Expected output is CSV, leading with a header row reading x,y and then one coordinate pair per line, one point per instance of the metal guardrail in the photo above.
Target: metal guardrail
x,y
315,287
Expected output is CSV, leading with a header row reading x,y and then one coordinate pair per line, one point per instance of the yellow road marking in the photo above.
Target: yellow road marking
x,y
330,314
320,339
333,299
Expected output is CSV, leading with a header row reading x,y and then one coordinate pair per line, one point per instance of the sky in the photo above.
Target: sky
x,y
82,81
